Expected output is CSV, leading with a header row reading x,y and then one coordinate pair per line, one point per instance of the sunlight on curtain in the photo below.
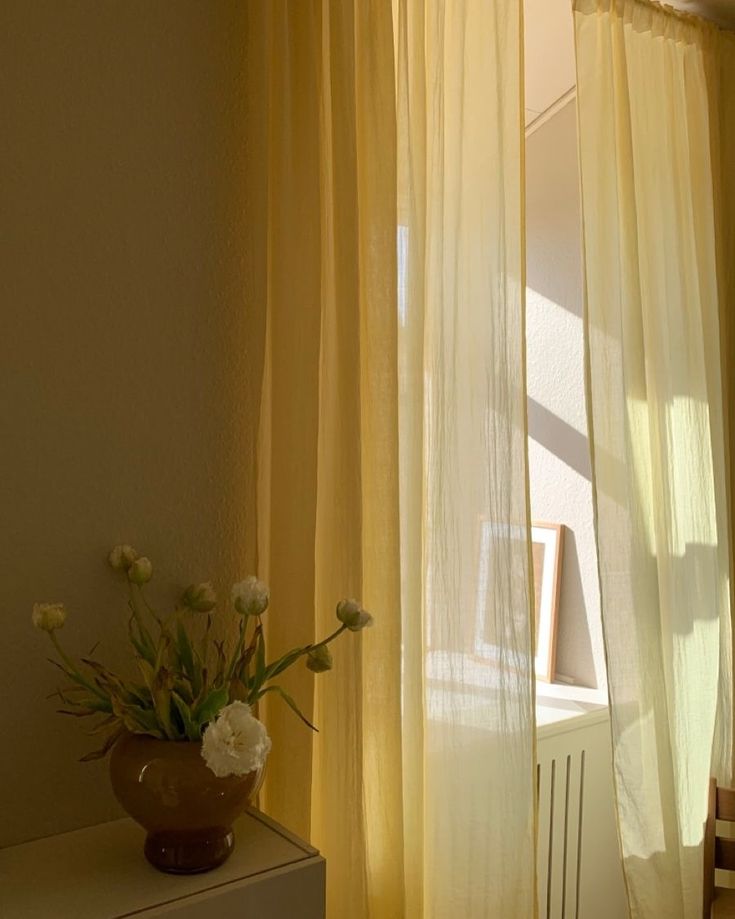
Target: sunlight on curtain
x,y
722,122
328,501
387,319
657,431
468,683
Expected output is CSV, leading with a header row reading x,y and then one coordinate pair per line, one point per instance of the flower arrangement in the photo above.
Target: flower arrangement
x,y
189,688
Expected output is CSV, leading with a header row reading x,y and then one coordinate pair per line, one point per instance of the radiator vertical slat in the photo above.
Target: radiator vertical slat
x,y
553,811
556,862
566,837
571,838
544,829
580,828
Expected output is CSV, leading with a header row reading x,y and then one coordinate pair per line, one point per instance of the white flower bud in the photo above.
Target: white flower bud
x,y
236,743
351,613
319,659
199,597
48,616
141,571
122,557
250,597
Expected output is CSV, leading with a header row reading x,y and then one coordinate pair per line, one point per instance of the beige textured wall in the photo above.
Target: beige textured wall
x,y
559,461
128,353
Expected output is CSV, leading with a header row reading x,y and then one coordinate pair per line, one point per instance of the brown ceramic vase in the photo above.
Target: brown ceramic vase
x,y
187,811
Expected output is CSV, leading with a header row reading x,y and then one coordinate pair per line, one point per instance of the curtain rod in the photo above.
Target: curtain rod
x,y
655,6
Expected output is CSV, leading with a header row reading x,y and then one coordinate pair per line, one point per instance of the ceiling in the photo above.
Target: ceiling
x,y
721,11
550,46
549,54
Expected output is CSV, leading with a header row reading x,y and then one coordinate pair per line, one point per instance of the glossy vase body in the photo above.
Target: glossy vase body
x,y
187,811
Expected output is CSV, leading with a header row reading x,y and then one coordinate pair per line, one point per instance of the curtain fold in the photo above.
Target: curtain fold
x,y
657,428
392,461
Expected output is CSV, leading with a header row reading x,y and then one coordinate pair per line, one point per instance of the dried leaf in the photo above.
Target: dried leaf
x,y
103,725
105,748
238,690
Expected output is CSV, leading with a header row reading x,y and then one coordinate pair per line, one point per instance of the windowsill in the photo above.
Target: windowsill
x,y
468,681
560,702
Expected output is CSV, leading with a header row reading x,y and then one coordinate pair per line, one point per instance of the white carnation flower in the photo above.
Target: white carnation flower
x,y
250,597
236,743
48,616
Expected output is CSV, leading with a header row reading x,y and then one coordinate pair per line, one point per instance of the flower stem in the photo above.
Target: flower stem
x,y
237,649
327,639
205,640
150,609
275,668
145,635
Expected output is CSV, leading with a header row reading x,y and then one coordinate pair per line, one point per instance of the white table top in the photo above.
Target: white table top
x,y
100,872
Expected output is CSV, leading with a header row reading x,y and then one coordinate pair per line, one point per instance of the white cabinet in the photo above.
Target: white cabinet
x,y
100,873
580,874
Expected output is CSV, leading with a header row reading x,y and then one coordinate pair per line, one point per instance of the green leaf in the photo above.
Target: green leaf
x,y
257,679
147,672
139,720
161,692
205,641
144,635
290,702
139,695
183,688
163,646
188,659
221,661
242,665
145,650
191,729
260,657
211,704
283,663
91,704
183,649
158,683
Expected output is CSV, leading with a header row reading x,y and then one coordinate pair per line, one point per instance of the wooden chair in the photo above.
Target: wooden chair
x,y
719,852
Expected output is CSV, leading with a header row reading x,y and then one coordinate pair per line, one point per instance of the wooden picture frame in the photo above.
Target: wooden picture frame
x,y
547,546
547,549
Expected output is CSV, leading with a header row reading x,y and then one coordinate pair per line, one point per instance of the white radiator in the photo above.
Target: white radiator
x,y
578,869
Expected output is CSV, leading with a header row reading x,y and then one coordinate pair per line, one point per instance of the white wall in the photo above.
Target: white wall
x,y
558,447
129,347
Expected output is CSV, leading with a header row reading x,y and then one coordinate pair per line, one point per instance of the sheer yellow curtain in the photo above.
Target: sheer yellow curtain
x,y
468,682
328,507
392,445
657,430
722,118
